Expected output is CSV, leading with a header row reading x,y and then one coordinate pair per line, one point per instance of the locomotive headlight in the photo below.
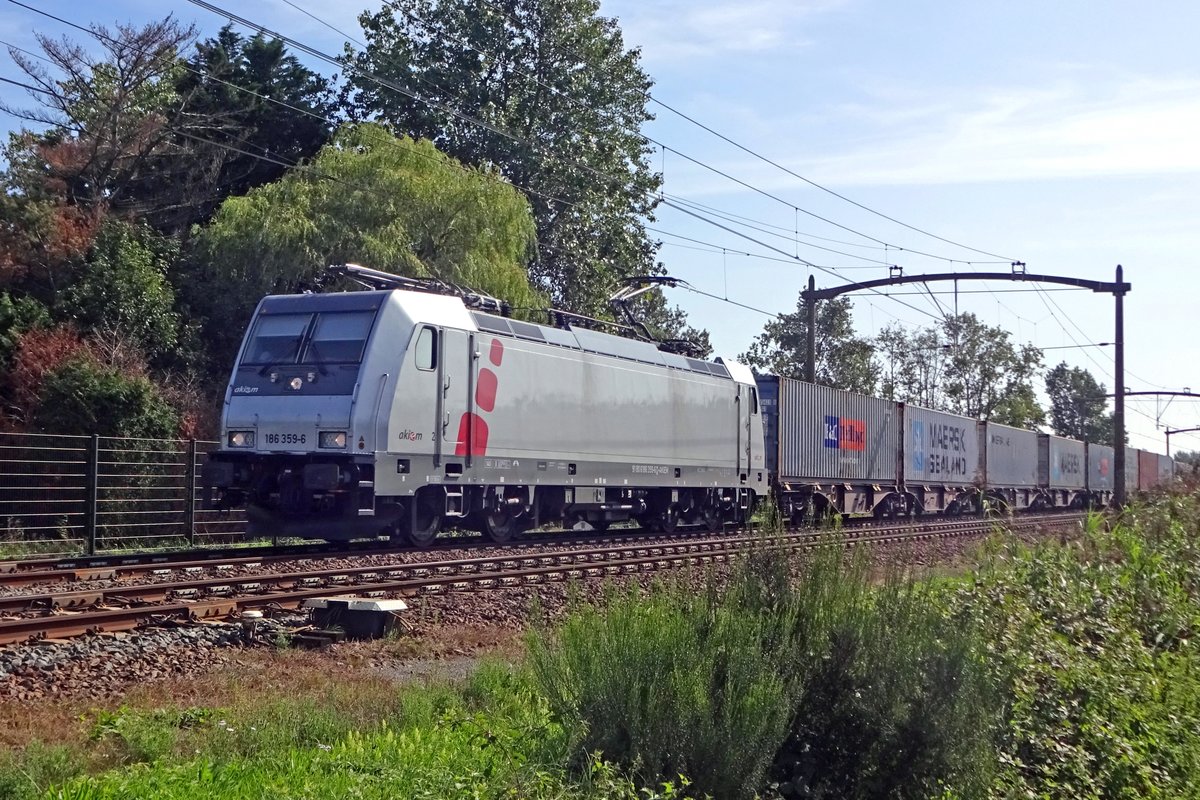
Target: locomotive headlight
x,y
333,440
296,383
241,439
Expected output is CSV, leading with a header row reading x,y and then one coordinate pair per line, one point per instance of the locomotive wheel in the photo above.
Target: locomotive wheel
x,y
500,526
424,519
668,520
711,519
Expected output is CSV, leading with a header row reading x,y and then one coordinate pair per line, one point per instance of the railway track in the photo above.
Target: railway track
x,y
117,566
64,614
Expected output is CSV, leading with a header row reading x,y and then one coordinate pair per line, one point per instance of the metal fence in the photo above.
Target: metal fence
x,y
91,494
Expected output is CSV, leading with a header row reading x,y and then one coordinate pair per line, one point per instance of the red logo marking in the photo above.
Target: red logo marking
x,y
497,354
472,426
485,390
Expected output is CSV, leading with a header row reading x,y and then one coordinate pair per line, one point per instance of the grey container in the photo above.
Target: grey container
x,y
1010,456
1131,468
826,434
1062,463
1100,467
940,448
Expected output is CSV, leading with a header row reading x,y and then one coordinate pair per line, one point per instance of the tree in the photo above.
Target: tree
x,y
250,110
1077,403
962,366
559,102
140,131
368,197
111,120
844,360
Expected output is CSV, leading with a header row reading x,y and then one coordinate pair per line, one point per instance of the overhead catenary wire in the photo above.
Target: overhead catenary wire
x,y
799,260
649,96
470,119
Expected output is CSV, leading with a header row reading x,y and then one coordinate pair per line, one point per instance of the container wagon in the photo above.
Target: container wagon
x,y
1010,466
941,459
1062,471
1147,470
1100,474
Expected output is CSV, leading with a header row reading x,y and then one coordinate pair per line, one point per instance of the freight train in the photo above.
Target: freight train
x,y
414,405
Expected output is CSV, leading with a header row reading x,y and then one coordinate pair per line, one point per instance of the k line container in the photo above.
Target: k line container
x,y
940,448
768,401
1062,463
826,434
1166,470
1147,470
1100,467
1010,456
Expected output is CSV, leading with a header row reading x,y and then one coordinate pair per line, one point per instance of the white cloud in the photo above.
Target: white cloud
x,y
1067,129
1140,127
677,31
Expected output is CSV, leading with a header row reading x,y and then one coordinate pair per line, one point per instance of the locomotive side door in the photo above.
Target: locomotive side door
x,y
456,401
751,406
746,403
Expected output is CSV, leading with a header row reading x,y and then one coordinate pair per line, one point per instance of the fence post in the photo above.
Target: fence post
x,y
189,508
91,499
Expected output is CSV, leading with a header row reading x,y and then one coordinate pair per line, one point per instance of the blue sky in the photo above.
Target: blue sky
x,y
1065,135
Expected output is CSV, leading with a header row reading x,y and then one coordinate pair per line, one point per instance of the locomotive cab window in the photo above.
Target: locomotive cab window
x,y
277,338
339,338
427,348
753,400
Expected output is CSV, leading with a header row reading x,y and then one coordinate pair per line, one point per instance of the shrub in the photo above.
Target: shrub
x,y
828,684
1092,646
82,397
37,353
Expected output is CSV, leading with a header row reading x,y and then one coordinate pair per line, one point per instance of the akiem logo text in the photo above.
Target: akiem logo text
x,y
845,434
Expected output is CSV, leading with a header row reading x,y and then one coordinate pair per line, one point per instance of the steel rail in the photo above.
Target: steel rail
x,y
78,570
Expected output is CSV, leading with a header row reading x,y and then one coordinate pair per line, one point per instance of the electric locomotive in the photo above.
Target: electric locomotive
x,y
414,405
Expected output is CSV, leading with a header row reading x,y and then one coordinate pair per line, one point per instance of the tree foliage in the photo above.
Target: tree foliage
x,y
1077,405
368,197
123,287
546,92
843,359
962,366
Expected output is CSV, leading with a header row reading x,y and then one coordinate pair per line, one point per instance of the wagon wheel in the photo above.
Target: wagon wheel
x,y
424,519
500,525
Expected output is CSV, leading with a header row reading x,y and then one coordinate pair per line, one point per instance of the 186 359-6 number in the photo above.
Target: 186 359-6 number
x,y
286,438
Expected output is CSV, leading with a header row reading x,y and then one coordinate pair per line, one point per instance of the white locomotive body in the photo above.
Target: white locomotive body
x,y
359,413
